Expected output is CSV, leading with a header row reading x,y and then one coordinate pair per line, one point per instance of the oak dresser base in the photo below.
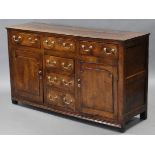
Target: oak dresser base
x,y
95,75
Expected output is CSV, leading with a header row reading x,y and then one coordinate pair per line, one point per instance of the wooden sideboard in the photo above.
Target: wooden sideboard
x,y
93,74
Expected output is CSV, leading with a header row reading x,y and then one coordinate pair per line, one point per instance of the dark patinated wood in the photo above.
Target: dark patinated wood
x,y
92,74
78,31
28,82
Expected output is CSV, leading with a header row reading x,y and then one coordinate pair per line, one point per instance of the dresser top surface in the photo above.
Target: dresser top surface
x,y
79,31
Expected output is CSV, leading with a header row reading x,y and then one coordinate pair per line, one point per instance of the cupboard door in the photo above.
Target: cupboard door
x,y
27,75
98,90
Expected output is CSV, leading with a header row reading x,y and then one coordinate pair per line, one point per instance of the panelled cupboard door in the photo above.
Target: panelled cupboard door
x,y
98,90
27,75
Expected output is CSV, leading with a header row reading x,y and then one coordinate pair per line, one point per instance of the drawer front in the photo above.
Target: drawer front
x,y
98,49
60,99
62,65
26,39
60,81
59,44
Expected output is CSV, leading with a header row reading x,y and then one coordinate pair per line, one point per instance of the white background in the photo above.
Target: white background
x,y
80,9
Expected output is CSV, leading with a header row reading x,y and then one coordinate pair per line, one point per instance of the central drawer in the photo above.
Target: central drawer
x,y
60,81
60,99
63,44
59,65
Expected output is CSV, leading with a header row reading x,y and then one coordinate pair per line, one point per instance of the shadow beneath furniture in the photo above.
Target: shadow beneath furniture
x,y
134,121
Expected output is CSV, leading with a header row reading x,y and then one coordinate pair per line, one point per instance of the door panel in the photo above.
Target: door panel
x,y
97,94
27,76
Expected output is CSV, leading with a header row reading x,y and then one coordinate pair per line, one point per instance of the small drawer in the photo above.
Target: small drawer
x,y
62,65
59,44
60,99
87,48
107,51
98,49
26,39
60,81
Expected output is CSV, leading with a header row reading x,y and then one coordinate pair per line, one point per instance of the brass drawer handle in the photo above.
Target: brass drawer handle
x,y
40,73
33,41
51,63
53,98
16,39
90,47
86,49
49,43
52,80
67,102
65,83
67,45
109,52
79,83
66,67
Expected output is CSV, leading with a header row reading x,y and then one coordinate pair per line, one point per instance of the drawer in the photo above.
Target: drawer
x,y
59,44
60,99
98,49
60,81
26,39
62,65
